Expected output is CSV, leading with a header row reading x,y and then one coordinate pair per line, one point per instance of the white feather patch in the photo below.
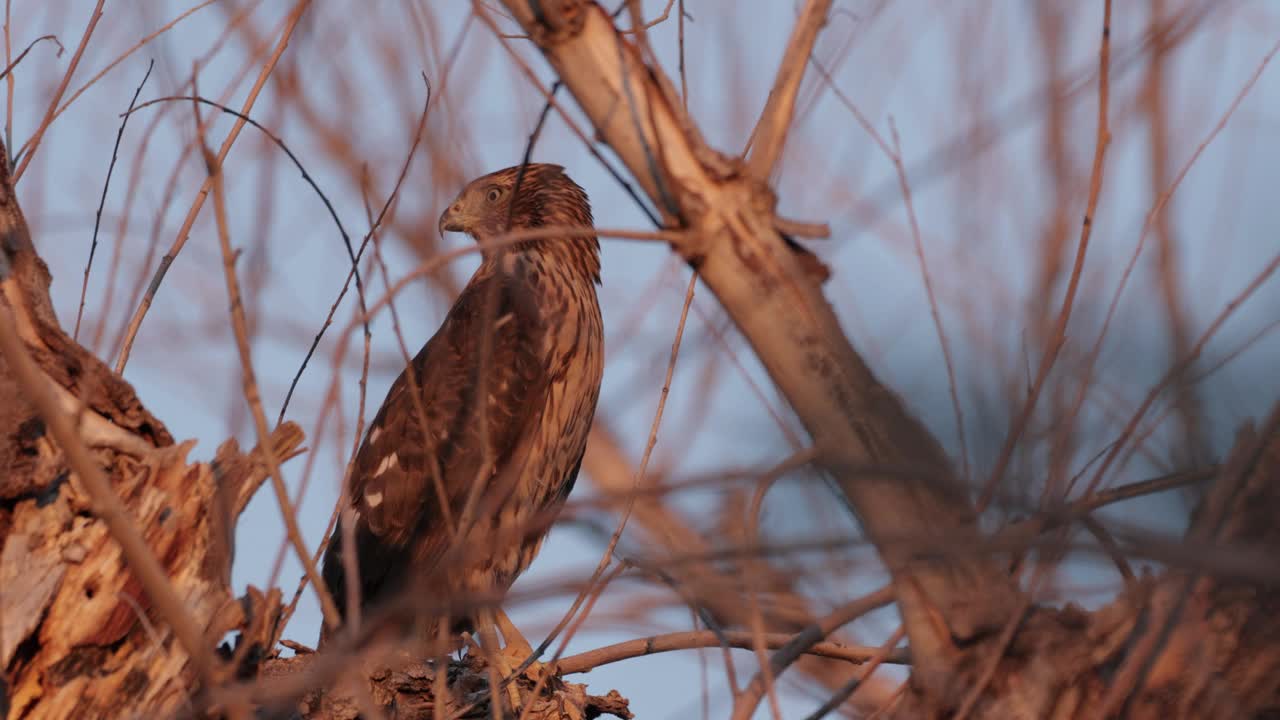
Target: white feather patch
x,y
373,436
373,499
388,462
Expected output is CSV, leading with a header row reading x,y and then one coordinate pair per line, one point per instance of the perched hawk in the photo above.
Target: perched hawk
x,y
479,440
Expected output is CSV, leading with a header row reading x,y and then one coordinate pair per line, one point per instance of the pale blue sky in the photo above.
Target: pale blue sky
x,y
936,68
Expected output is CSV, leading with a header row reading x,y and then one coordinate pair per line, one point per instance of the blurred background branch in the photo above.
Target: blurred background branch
x,y
964,226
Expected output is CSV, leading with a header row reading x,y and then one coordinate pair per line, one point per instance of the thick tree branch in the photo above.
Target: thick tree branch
x,y
854,420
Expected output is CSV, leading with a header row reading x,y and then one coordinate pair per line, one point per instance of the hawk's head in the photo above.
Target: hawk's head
x,y
545,196
541,196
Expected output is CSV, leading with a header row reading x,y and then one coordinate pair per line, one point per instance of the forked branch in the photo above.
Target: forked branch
x,y
854,420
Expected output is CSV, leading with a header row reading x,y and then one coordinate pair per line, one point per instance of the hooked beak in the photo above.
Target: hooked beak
x,y
451,219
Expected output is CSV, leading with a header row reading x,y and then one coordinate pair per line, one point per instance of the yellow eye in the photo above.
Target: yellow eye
x,y
493,194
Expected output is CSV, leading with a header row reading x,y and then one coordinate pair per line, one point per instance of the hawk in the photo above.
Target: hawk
x,y
479,440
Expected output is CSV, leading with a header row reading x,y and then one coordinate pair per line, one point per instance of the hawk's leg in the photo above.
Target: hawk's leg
x,y
500,666
517,652
515,646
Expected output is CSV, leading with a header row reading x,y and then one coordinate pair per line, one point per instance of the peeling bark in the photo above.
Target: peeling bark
x,y
405,691
78,637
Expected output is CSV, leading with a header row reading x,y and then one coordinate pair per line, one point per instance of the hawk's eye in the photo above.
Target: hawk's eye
x,y
493,194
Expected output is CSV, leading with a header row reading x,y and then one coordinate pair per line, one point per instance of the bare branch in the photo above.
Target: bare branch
x,y
854,419
254,399
770,134
592,659
184,232
744,705
34,143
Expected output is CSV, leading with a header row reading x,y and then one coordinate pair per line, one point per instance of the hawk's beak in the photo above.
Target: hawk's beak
x,y
451,219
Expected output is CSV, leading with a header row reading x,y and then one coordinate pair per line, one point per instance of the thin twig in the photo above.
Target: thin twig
x,y
684,80
1227,358
9,68
885,653
661,18
769,136
592,659
744,705
34,143
97,219
125,55
754,617
331,399
1058,338
1183,363
595,589
8,80
354,271
306,176
1158,207
295,15
933,300
252,396
587,142
506,240
607,556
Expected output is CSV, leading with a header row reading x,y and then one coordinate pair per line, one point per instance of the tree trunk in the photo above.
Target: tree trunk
x,y
1189,644
79,637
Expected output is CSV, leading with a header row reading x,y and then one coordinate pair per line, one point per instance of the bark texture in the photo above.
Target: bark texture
x,y
892,471
1197,641
1201,640
406,691
78,636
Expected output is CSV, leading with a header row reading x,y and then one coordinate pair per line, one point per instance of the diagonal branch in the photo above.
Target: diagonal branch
x,y
770,134
854,420
135,322
34,142
252,396
688,640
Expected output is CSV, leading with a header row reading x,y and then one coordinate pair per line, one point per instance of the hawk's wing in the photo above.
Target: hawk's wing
x,y
407,471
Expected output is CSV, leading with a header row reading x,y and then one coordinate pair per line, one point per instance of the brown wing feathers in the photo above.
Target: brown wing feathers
x,y
490,420
393,484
